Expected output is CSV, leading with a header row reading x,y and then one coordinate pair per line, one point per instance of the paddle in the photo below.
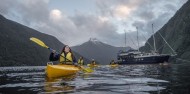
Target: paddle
x,y
41,43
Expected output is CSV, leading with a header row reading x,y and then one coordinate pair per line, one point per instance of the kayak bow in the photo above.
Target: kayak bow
x,y
53,71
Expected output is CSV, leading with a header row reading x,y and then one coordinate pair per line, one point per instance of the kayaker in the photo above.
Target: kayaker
x,y
66,56
112,62
81,61
93,62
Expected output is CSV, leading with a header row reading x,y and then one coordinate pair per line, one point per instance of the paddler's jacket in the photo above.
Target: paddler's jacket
x,y
81,62
112,62
67,59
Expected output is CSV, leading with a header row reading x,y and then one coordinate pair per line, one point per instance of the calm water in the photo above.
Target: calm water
x,y
129,79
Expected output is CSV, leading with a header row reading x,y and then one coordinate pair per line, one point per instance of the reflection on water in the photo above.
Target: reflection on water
x,y
56,85
128,79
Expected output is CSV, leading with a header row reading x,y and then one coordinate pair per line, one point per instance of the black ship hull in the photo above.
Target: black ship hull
x,y
144,59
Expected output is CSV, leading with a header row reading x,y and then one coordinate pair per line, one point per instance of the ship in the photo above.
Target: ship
x,y
133,56
136,57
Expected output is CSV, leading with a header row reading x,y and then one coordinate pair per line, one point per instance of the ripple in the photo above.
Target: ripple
x,y
24,74
22,68
132,79
22,85
144,80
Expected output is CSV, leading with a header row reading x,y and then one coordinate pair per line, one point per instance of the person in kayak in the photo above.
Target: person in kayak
x,y
66,56
81,61
112,62
93,62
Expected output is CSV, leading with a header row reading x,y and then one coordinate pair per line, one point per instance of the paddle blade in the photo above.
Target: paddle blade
x,y
39,42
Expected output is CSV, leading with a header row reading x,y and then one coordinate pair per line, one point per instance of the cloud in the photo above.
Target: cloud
x,y
93,26
107,22
122,11
55,15
5,6
33,11
27,12
142,14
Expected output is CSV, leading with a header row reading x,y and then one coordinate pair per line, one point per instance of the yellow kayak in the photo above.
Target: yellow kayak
x,y
92,66
60,70
114,65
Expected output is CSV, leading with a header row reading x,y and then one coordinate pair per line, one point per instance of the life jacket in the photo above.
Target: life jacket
x,y
80,61
66,59
112,63
93,63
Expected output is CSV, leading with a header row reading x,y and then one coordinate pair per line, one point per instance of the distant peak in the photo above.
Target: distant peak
x,y
94,40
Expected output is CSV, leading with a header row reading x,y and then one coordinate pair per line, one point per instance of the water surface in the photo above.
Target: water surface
x,y
128,79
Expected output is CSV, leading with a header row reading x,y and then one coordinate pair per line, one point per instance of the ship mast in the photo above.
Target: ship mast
x,y
137,38
153,39
125,40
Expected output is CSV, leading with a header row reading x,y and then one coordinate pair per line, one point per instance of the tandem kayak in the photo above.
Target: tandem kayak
x,y
53,71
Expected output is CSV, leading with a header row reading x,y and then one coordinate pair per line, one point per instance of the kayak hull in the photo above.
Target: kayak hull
x,y
53,71
92,66
113,65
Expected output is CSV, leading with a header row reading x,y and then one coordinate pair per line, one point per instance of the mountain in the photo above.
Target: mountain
x,y
16,49
95,49
176,32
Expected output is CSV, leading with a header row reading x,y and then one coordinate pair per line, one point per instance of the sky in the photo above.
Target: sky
x,y
74,22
